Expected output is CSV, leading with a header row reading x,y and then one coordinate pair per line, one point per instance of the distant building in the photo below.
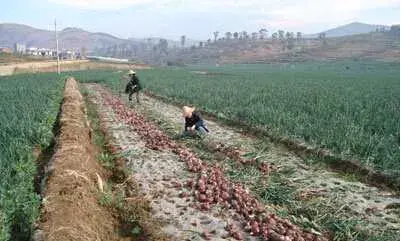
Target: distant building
x,y
6,50
32,51
19,48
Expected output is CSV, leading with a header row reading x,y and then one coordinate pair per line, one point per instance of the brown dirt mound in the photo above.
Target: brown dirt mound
x,y
70,208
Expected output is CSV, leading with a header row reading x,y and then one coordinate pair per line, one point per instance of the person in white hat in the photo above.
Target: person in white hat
x,y
194,124
133,86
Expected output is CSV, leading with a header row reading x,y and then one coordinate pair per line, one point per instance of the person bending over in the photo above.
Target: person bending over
x,y
194,123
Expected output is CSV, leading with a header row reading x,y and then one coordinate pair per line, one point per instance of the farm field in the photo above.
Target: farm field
x,y
314,199
29,108
351,108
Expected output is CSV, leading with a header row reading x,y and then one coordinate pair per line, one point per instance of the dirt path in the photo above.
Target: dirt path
x,y
315,186
69,65
71,210
194,200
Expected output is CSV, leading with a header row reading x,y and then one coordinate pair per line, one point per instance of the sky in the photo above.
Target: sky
x,y
197,19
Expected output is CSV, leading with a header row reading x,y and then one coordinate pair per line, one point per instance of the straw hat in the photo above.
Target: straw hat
x,y
187,111
131,72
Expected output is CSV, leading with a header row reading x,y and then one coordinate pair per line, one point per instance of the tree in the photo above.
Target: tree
x,y
209,41
163,46
395,30
290,40
228,35
183,38
275,36
114,50
262,33
322,37
236,35
244,35
254,35
299,36
216,34
149,41
83,52
281,35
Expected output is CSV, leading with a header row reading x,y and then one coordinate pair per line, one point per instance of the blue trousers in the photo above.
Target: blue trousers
x,y
198,131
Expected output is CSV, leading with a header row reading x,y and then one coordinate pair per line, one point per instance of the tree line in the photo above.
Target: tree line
x,y
287,39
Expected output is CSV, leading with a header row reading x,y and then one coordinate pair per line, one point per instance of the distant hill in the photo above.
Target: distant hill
x,y
350,29
379,46
351,40
11,33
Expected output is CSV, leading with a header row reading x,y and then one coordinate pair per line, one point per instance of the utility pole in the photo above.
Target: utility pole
x,y
58,58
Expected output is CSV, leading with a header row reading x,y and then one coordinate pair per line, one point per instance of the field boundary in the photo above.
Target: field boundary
x,y
335,162
70,209
70,65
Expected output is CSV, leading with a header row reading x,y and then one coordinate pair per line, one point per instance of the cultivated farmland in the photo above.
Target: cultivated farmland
x,y
195,187
349,107
28,110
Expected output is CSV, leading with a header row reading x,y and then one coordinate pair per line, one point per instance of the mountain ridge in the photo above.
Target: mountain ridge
x,y
352,28
74,37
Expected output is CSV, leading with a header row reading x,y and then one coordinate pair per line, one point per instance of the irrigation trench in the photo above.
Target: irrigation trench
x,y
192,199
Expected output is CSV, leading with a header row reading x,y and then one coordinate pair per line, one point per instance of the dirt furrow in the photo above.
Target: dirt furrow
x,y
195,200
70,206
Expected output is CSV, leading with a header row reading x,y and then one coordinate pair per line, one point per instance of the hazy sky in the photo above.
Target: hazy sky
x,y
197,18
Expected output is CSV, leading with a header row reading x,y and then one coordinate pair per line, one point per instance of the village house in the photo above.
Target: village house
x,y
6,50
46,52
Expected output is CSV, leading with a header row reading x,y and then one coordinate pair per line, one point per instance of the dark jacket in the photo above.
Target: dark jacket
x,y
196,120
133,85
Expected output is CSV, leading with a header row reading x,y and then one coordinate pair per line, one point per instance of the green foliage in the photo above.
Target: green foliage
x,y
29,108
106,197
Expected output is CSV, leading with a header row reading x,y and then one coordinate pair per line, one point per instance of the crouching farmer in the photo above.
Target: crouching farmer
x,y
133,86
194,124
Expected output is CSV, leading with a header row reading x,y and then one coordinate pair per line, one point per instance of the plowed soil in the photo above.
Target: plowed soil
x,y
70,207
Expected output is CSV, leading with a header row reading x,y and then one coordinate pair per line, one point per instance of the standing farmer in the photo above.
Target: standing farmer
x,y
133,86
193,122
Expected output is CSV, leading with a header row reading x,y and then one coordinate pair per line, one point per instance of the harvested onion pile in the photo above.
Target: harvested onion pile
x,y
212,187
